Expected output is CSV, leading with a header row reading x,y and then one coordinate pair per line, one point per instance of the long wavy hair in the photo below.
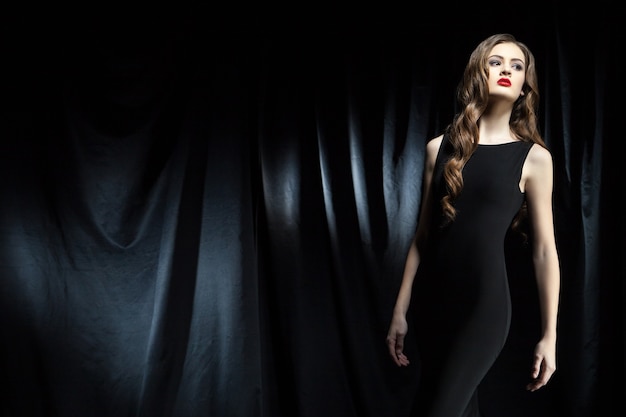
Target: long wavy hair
x,y
473,97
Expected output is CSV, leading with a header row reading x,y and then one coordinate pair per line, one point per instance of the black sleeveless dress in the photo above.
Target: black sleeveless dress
x,y
461,298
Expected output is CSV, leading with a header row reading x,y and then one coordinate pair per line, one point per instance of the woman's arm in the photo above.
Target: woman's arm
x,y
538,184
398,327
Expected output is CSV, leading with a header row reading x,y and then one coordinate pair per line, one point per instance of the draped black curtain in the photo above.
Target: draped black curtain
x,y
207,214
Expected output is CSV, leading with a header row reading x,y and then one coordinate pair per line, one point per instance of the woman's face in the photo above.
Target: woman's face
x,y
507,71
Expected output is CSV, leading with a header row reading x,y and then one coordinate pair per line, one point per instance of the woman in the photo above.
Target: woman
x,y
487,171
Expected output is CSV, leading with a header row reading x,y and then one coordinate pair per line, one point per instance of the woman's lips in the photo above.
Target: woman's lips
x,y
504,81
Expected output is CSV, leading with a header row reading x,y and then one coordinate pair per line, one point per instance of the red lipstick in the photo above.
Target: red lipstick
x,y
505,82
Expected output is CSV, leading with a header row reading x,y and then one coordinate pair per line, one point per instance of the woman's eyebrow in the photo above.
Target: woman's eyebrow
x,y
501,57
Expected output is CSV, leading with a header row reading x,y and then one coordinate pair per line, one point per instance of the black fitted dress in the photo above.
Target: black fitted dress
x,y
461,299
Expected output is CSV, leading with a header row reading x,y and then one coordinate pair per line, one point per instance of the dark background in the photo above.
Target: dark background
x,y
205,210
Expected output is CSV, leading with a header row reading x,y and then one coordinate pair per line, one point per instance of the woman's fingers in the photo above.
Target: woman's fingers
x,y
395,344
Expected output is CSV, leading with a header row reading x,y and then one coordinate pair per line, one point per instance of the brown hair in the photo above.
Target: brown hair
x,y
472,96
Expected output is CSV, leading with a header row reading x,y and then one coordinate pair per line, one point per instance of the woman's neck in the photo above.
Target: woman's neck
x,y
493,128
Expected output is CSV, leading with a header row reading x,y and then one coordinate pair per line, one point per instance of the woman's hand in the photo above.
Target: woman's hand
x,y
544,364
395,340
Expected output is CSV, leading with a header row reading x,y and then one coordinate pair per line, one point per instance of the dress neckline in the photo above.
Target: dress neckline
x,y
500,144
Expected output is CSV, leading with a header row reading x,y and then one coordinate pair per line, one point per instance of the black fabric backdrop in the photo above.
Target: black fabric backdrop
x,y
206,214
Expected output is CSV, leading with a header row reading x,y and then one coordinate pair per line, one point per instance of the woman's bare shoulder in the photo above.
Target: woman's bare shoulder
x,y
436,141
537,168
539,156
432,150
432,147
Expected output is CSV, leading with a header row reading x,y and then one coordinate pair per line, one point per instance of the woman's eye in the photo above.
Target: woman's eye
x,y
494,63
